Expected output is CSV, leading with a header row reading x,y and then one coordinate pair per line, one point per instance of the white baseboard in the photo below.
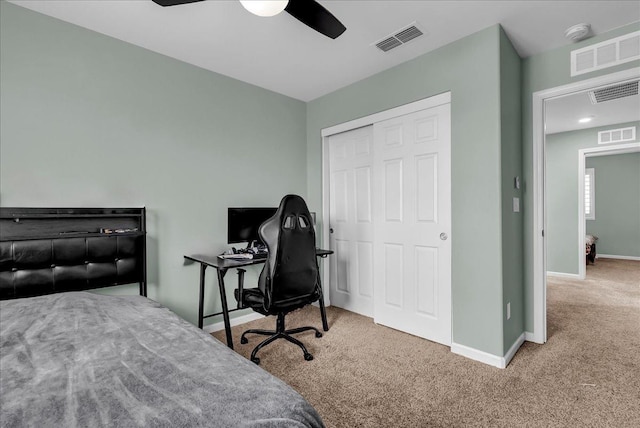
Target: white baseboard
x,y
487,358
512,351
530,337
475,354
611,256
218,326
564,275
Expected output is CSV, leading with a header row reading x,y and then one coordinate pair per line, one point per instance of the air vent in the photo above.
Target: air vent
x,y
606,54
388,44
617,135
613,92
400,37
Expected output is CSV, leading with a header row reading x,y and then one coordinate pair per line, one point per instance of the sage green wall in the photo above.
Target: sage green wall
x,y
87,120
511,167
617,193
470,69
562,195
539,72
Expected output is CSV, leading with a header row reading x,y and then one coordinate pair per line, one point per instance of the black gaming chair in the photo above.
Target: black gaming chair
x,y
290,278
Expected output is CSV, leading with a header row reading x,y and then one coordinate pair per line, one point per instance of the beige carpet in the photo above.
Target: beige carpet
x,y
365,375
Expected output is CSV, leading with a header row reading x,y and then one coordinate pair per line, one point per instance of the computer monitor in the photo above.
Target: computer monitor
x,y
243,223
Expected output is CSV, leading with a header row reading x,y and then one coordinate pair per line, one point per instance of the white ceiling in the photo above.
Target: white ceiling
x,y
562,114
283,55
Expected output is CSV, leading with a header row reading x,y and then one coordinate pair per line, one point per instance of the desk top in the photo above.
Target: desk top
x,y
218,263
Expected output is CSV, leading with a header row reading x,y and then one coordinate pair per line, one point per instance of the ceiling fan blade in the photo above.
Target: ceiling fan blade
x,y
173,2
312,13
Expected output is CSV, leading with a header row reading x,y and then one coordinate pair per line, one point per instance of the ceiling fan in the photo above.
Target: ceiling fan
x,y
309,12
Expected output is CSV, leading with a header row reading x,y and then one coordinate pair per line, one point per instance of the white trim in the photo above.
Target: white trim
x,y
564,274
612,256
326,239
539,249
413,107
487,358
538,222
618,149
475,354
512,351
218,326
529,337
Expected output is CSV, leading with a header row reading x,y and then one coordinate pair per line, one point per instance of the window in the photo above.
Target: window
x,y
589,194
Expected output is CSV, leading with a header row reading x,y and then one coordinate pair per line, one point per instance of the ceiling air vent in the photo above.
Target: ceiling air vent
x,y
400,37
613,92
388,44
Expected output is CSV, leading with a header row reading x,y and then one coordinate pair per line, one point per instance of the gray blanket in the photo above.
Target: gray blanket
x,y
89,360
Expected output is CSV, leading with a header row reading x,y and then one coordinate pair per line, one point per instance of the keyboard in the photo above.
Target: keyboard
x,y
260,256
244,256
238,256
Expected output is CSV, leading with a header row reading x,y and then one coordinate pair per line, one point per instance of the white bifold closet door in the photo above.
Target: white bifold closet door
x,y
390,216
351,220
412,251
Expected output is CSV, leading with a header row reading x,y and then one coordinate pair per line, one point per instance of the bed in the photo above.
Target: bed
x,y
590,250
71,358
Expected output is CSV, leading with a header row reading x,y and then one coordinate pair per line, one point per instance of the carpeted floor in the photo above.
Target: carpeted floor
x,y
366,375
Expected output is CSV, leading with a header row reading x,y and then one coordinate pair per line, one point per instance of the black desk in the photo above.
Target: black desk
x,y
222,266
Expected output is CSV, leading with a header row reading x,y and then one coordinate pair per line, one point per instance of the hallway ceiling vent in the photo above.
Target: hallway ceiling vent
x,y
617,135
613,92
399,38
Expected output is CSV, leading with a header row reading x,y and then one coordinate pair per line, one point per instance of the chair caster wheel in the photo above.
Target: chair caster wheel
x,y
244,340
318,334
256,360
308,357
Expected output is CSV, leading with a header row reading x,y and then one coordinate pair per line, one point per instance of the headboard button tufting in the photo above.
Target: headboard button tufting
x,y
48,252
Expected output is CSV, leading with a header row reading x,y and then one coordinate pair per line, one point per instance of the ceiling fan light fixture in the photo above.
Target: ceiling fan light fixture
x,y
264,7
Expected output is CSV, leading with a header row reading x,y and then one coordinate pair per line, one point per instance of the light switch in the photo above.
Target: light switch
x,y
516,205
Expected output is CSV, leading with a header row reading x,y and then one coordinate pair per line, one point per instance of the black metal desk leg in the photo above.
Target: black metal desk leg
x,y
225,308
203,267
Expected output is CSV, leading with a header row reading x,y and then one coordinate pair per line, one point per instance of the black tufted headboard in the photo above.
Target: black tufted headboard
x,y
51,250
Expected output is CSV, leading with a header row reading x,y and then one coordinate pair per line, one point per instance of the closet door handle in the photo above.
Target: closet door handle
x,y
443,236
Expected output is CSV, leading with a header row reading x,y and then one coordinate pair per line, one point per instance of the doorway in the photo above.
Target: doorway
x,y
540,189
387,195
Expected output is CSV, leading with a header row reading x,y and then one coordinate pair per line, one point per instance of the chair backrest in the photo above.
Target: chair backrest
x,y
290,275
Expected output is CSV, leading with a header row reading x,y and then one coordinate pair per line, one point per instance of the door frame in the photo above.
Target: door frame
x,y
539,334
583,154
433,101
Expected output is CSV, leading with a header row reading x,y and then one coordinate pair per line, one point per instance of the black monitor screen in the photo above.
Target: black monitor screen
x,y
243,223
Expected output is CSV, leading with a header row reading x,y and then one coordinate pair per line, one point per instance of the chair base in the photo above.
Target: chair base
x,y
279,333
